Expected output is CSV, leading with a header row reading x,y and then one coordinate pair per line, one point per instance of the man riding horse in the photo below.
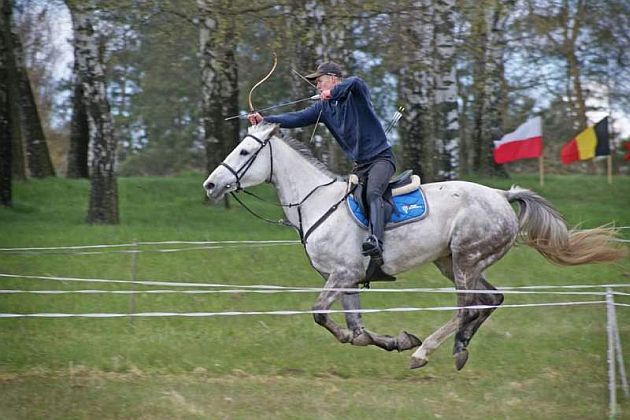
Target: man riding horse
x,y
347,111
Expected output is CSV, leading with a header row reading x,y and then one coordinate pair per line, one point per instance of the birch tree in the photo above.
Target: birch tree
x,y
79,129
429,130
445,85
103,202
304,26
5,112
412,91
489,85
219,79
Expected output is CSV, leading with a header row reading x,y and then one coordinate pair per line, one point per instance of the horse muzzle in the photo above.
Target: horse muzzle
x,y
212,191
216,192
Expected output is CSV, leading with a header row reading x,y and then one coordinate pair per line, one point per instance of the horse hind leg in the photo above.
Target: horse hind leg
x,y
470,319
465,334
421,356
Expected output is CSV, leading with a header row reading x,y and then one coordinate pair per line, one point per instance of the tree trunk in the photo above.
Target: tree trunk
x,y
416,92
230,91
17,147
103,204
37,155
570,45
219,80
5,111
445,109
489,86
79,130
495,87
305,20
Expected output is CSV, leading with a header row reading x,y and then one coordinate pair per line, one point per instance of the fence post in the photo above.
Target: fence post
x,y
612,386
618,351
132,295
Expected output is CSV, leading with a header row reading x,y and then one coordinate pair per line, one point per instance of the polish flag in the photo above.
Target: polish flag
x,y
523,143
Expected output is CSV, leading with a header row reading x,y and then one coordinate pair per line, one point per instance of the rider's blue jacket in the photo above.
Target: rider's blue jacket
x,y
350,117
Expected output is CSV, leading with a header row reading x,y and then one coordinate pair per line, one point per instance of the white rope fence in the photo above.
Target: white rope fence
x,y
241,291
306,312
105,249
265,288
614,352
208,245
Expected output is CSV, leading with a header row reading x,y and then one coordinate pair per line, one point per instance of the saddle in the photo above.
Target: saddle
x,y
404,203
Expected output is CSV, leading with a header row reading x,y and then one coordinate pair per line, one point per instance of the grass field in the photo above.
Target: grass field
x,y
524,363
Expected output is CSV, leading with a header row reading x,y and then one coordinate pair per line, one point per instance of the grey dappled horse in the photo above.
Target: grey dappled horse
x,y
469,228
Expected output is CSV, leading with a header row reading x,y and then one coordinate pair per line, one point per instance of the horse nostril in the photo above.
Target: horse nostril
x,y
209,186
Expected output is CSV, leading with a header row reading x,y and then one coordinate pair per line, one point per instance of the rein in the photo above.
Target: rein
x,y
283,222
240,172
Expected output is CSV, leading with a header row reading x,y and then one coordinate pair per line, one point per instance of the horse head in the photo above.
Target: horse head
x,y
249,164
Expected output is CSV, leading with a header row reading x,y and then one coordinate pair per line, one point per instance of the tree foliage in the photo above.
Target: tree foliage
x,y
466,71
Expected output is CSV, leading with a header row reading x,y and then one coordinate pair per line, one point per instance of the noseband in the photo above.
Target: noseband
x,y
240,172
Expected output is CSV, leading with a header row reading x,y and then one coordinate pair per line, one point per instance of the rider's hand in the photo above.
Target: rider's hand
x,y
325,95
254,118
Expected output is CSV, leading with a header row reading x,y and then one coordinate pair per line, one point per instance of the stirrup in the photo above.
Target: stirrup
x,y
372,247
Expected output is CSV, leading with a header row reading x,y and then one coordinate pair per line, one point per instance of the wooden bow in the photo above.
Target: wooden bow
x,y
275,63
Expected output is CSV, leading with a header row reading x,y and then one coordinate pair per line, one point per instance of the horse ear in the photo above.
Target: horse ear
x,y
264,131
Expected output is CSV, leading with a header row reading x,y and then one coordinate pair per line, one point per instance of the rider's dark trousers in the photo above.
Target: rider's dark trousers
x,y
375,177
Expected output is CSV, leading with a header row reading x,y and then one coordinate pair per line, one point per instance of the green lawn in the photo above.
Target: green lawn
x,y
524,363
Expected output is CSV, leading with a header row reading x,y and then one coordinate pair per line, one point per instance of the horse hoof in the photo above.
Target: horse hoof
x,y
461,357
362,340
417,363
406,341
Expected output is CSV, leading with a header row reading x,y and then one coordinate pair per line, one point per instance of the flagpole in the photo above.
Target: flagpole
x,y
541,170
609,164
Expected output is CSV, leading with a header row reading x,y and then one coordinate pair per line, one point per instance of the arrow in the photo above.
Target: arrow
x,y
310,98
394,122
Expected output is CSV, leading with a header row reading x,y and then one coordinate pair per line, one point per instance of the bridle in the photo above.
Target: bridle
x,y
240,172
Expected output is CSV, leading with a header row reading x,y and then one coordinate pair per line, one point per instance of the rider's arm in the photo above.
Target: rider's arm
x,y
351,84
296,119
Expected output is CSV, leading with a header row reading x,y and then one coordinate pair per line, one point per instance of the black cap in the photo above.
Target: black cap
x,y
331,68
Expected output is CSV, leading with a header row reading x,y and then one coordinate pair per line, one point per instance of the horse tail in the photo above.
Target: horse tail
x,y
544,229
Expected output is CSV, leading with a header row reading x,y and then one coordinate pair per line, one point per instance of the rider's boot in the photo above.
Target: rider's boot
x,y
373,245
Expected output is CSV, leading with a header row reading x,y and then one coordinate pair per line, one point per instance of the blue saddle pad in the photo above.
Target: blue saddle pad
x,y
407,208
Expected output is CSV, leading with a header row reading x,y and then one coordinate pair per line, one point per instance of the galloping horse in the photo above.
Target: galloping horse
x,y
470,228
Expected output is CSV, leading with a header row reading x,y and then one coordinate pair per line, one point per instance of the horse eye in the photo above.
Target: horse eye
x,y
244,152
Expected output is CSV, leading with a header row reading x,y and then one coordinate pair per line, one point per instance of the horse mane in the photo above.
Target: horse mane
x,y
303,150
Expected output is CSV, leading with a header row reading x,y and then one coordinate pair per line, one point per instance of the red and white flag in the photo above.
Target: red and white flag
x,y
523,143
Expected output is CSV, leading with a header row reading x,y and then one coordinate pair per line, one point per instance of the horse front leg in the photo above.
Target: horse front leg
x,y
356,334
362,337
336,280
